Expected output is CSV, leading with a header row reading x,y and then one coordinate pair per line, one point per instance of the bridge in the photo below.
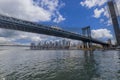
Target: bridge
x,y
22,25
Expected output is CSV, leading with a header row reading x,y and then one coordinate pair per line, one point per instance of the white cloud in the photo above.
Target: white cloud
x,y
4,40
98,12
37,10
103,12
41,10
11,37
92,3
101,20
113,41
106,12
101,33
8,36
109,22
59,18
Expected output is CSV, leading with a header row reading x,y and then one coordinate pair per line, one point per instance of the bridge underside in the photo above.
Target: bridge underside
x,y
16,24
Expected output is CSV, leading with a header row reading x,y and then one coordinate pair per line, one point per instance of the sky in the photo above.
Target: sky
x,y
70,15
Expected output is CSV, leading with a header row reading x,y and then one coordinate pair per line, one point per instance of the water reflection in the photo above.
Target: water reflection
x,y
67,67
89,65
59,65
108,65
119,65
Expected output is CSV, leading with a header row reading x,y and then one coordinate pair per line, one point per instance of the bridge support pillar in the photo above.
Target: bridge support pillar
x,y
105,47
85,45
90,44
86,31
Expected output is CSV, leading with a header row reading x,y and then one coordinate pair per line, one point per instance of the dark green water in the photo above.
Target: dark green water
x,y
22,64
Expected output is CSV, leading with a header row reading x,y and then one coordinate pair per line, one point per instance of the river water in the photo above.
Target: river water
x,y
18,63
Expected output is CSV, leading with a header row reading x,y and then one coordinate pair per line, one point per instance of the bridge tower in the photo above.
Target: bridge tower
x,y
113,14
86,31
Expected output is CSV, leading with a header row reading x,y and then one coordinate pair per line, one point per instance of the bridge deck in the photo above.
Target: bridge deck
x,y
22,25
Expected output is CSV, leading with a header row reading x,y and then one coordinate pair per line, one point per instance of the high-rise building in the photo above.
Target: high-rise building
x,y
113,14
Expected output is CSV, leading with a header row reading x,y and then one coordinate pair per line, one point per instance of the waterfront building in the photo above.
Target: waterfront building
x,y
33,46
58,44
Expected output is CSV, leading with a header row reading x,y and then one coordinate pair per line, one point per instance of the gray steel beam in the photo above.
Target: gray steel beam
x,y
21,25
114,21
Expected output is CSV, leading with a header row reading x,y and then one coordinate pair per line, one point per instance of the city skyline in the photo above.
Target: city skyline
x,y
67,14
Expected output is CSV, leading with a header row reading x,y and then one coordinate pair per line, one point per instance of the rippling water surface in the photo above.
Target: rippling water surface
x,y
23,64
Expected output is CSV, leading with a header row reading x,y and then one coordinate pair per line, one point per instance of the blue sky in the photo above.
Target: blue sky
x,y
78,16
70,15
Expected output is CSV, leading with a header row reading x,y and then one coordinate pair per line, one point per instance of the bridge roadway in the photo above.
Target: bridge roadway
x,y
22,25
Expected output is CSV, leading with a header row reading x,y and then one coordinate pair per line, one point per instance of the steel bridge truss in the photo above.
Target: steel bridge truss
x,y
22,25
